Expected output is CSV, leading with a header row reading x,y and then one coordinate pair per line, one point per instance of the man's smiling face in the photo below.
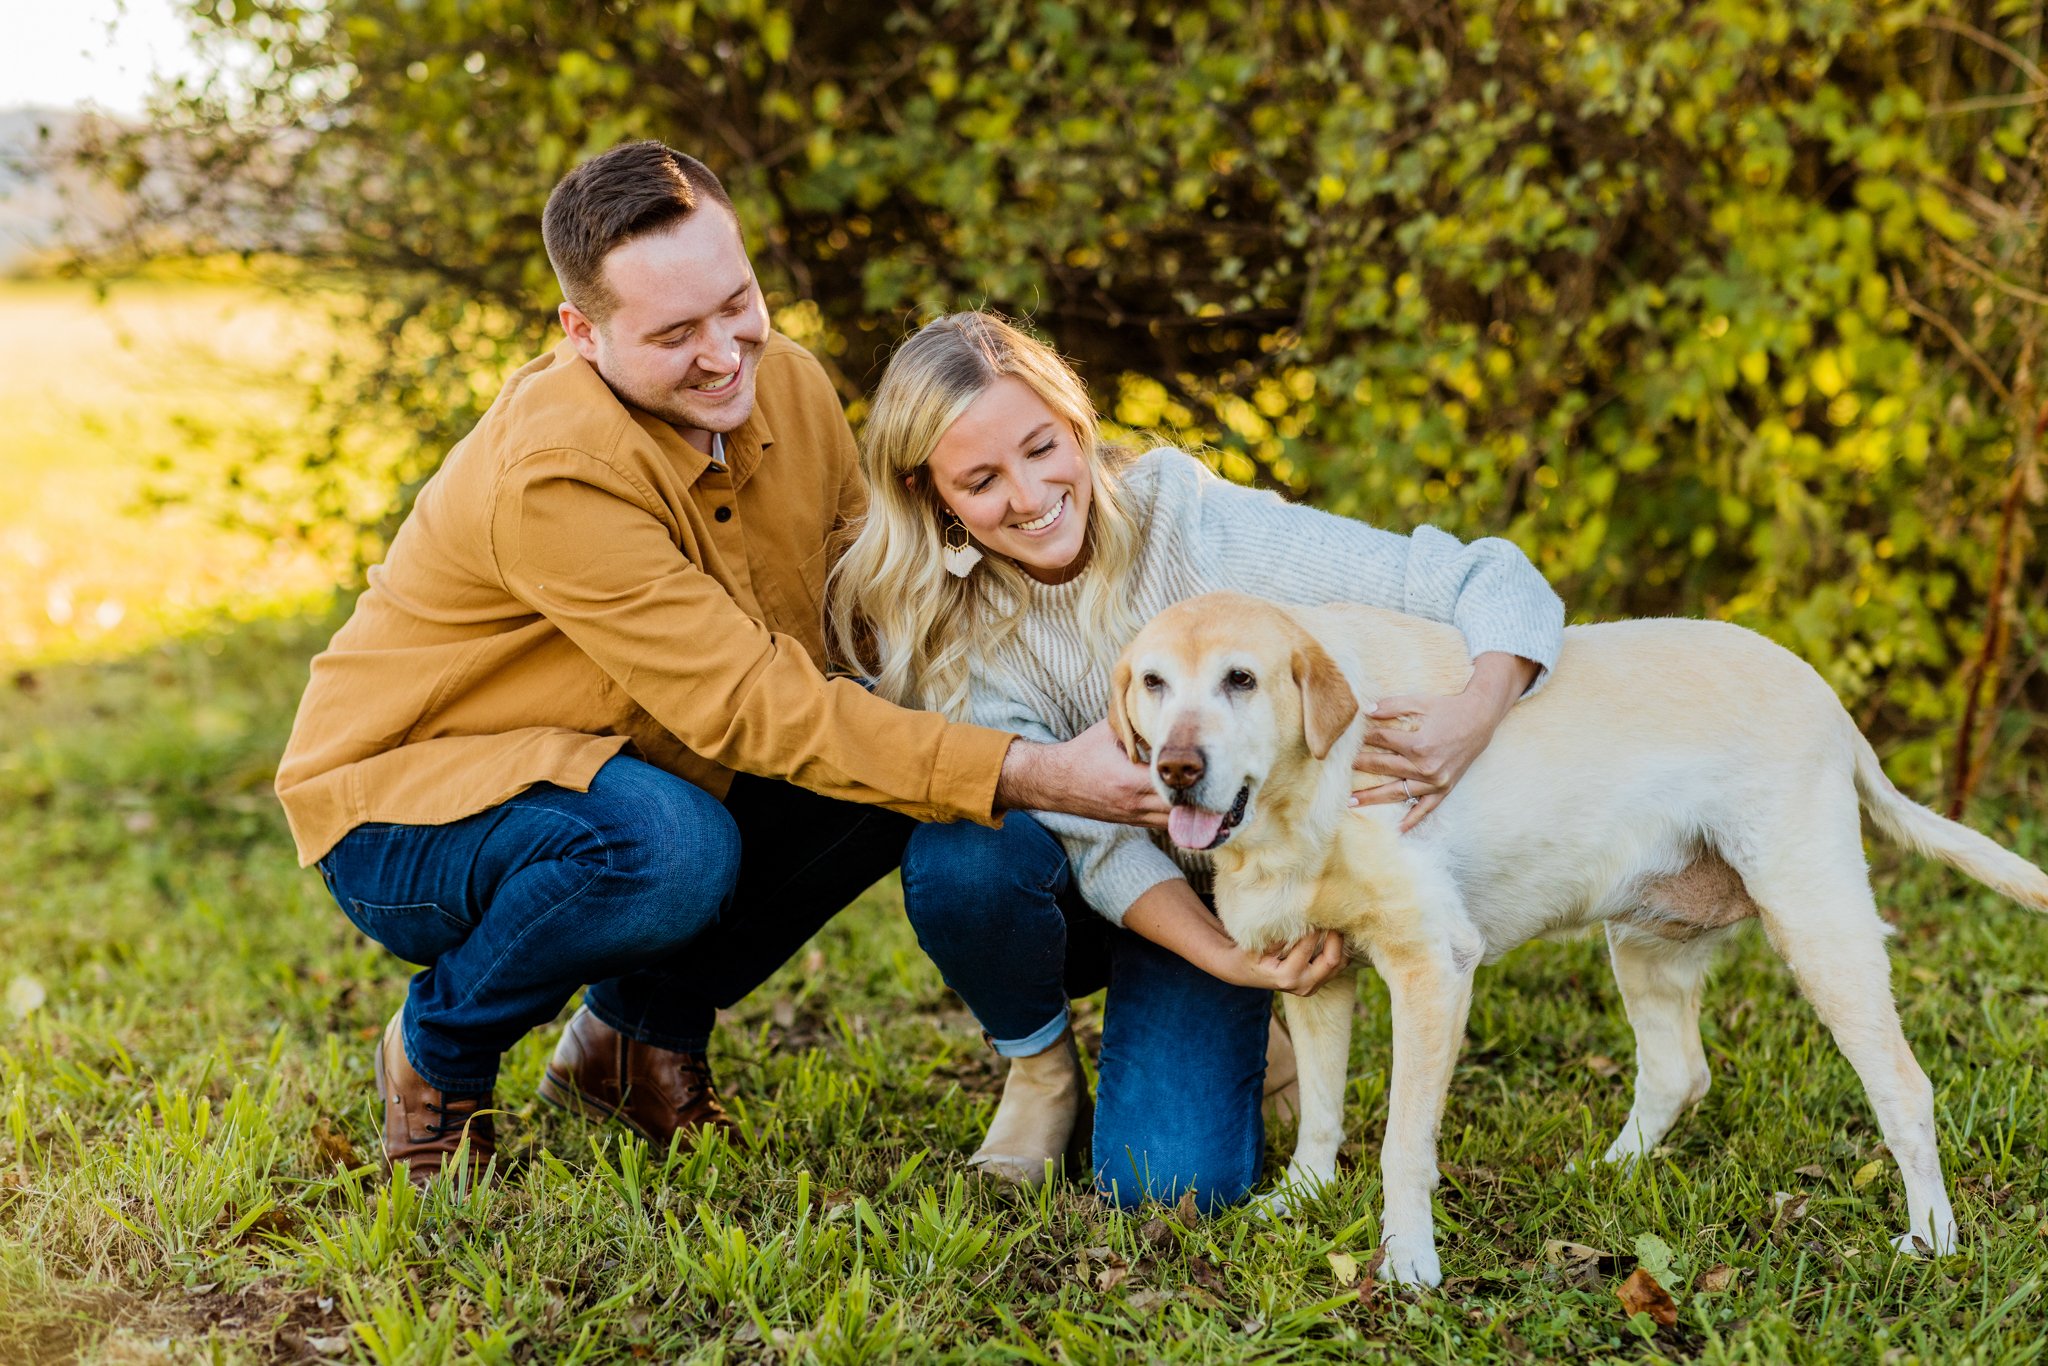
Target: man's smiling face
x,y
689,327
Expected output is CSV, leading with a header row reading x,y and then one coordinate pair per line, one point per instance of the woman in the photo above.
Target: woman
x,y
1004,560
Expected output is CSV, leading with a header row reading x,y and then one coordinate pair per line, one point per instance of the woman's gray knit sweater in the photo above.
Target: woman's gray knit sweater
x,y
1201,534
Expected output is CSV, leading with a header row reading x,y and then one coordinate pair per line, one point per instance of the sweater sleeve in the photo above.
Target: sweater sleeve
x,y
1256,542
1113,865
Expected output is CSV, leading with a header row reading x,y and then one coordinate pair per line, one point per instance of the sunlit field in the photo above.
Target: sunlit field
x,y
188,1133
166,387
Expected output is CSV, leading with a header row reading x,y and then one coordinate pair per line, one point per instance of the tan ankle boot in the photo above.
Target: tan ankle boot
x,y
1283,1081
1044,1119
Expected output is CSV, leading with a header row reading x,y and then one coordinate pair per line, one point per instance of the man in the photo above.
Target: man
x,y
577,730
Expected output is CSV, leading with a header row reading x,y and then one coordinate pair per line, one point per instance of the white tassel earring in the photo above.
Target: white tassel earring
x,y
959,551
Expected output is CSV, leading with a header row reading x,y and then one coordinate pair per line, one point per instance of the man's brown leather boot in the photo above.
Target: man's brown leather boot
x,y
657,1092
423,1127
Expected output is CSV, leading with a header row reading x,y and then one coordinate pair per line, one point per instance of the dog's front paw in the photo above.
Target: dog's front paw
x,y
1624,1153
1412,1260
1298,1185
1918,1245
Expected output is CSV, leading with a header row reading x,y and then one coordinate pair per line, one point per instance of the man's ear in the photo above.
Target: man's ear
x,y
1327,703
1119,718
582,331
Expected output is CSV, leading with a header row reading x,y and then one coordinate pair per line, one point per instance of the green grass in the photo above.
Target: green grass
x,y
188,1133
171,1110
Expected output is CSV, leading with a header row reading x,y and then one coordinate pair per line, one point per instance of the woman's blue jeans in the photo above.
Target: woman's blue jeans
x,y
1182,1073
668,902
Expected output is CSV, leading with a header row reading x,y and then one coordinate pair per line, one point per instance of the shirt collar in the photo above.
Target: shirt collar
x,y
742,448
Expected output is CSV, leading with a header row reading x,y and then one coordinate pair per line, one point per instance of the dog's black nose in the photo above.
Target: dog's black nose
x,y
1180,766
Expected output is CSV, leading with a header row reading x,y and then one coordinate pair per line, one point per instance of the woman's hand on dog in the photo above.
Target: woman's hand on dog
x,y
1441,737
1173,917
1299,968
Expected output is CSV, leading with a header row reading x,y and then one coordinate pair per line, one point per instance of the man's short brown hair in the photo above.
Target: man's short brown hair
x,y
632,190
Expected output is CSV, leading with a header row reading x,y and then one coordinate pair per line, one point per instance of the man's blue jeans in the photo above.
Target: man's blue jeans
x,y
667,902
1183,1067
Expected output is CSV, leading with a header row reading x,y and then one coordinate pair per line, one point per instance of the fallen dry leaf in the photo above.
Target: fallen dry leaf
x,y
1157,1232
1369,1283
1558,1252
1812,1169
332,1144
1186,1211
1715,1279
1145,1301
1867,1173
1601,1066
278,1222
1576,1264
1640,1294
1207,1276
1786,1208
1115,1271
1344,1267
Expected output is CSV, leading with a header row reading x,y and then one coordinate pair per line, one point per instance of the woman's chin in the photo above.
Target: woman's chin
x,y
1049,564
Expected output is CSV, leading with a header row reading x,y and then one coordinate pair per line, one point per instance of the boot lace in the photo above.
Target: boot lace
x,y
454,1117
695,1069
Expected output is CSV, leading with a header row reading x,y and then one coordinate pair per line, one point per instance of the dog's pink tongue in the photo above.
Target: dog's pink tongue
x,y
1192,827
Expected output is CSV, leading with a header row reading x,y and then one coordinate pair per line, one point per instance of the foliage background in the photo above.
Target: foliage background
x,y
1714,307
1725,308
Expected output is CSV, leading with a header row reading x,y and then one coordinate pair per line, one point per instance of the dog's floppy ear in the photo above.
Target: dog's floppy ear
x,y
1327,703
1119,719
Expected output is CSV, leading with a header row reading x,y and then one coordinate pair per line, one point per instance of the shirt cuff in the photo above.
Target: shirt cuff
x,y
966,770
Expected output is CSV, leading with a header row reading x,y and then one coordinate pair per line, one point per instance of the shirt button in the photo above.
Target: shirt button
x,y
723,514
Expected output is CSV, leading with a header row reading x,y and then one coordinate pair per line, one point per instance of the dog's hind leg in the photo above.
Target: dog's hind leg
x,y
1660,983
1819,916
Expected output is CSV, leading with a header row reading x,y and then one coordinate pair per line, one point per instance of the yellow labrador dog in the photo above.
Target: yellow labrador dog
x,y
1672,779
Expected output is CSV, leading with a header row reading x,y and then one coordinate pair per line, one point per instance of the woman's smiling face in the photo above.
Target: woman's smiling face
x,y
1013,472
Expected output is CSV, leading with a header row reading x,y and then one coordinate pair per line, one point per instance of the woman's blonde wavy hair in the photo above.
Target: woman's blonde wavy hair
x,y
895,614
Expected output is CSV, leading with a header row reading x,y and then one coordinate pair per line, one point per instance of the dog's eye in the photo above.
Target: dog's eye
x,y
1153,682
1239,680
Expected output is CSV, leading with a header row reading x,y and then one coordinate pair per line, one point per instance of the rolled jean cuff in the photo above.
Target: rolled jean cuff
x,y
1036,1042
640,1033
448,1083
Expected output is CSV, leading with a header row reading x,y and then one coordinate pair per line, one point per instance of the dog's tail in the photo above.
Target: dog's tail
x,y
1957,845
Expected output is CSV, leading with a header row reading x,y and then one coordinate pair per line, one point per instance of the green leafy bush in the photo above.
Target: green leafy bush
x,y
1728,307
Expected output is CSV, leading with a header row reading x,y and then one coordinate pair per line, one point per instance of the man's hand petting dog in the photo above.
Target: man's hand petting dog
x,y
1442,736
1089,775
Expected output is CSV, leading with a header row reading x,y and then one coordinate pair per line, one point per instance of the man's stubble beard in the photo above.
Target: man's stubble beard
x,y
671,407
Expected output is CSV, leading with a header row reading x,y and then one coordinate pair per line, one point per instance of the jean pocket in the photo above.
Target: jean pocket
x,y
418,933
